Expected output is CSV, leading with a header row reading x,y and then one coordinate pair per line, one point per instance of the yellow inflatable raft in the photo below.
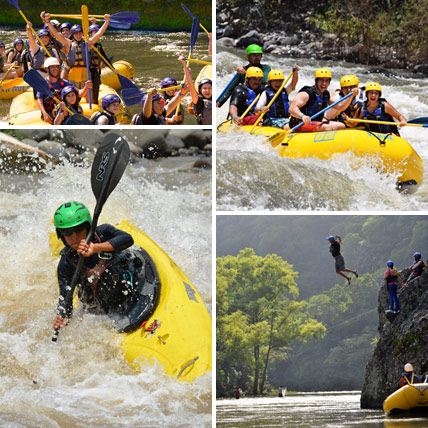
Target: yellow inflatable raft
x,y
205,73
406,398
10,88
389,154
178,334
24,111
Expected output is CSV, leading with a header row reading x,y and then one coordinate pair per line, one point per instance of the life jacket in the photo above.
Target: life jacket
x,y
38,59
205,116
315,104
95,60
76,55
98,114
138,119
17,57
281,104
380,115
356,103
1,63
391,279
49,102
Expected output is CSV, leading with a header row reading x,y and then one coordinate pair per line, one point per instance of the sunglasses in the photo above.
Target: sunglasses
x,y
71,230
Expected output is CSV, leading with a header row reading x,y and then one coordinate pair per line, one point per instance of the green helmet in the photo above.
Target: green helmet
x,y
254,49
71,214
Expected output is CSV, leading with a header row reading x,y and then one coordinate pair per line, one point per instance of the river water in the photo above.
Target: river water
x,y
84,380
251,176
154,56
306,410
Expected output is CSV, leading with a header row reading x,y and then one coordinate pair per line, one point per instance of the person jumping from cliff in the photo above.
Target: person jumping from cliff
x,y
417,267
339,262
391,277
408,377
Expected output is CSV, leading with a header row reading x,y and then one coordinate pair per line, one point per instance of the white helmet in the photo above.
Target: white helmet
x,y
51,61
408,367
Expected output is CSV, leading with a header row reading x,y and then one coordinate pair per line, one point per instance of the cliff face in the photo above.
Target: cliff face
x,y
403,339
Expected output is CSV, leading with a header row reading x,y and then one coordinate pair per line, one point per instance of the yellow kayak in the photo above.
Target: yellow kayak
x,y
177,335
10,88
406,398
24,111
387,153
205,73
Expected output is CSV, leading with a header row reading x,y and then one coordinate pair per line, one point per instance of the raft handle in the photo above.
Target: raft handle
x,y
187,365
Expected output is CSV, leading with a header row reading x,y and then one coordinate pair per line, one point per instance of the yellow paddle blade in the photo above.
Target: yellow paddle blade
x,y
85,21
278,138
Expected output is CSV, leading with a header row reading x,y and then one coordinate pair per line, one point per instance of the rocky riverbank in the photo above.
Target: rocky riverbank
x,y
37,149
403,339
296,35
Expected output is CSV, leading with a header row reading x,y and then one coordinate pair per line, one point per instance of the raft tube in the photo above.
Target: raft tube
x,y
177,335
10,88
24,110
109,78
205,73
409,397
389,154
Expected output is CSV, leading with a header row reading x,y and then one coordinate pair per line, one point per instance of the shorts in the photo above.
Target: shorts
x,y
309,127
276,122
250,120
339,264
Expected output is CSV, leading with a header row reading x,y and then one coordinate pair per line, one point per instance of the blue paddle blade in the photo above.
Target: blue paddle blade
x,y
119,25
126,83
36,81
131,17
132,96
183,6
194,33
14,3
419,120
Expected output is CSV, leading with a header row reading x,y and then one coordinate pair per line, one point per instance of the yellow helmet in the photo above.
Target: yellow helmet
x,y
349,80
275,75
322,72
253,72
373,86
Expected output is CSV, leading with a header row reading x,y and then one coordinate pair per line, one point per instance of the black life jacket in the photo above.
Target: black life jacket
x,y
49,102
98,114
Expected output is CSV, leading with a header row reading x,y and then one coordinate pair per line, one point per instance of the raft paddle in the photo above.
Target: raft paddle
x,y
380,122
420,120
198,61
7,72
132,96
232,124
183,6
278,137
272,101
85,27
15,4
123,17
121,25
227,87
109,165
36,81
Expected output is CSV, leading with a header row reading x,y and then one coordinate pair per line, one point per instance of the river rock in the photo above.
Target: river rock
x,y
403,339
82,139
193,137
226,42
248,39
35,134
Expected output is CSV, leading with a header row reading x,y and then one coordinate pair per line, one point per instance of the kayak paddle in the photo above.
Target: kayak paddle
x,y
278,137
85,27
110,162
15,4
388,123
36,81
132,96
272,101
183,6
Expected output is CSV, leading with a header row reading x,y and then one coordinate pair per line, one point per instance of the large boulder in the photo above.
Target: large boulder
x,y
251,37
403,339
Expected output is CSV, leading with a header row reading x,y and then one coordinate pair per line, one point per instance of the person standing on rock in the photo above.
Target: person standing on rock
x,y
339,261
417,267
254,55
391,277
408,377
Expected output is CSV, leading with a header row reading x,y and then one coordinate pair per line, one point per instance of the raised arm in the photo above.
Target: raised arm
x,y
188,74
100,32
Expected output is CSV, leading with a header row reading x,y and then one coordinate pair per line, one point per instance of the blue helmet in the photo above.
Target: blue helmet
x,y
202,82
330,239
65,25
43,32
155,98
2,45
417,255
390,263
168,81
17,41
67,89
77,28
110,99
94,27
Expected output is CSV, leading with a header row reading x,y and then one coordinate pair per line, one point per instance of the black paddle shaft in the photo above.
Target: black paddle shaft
x,y
108,167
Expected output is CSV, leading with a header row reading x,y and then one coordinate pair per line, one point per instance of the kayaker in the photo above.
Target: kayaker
x,y
339,262
408,377
277,115
254,55
348,108
70,98
416,267
154,110
72,222
111,105
172,118
38,53
15,57
311,100
202,102
244,95
379,109
56,84
391,277
76,57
